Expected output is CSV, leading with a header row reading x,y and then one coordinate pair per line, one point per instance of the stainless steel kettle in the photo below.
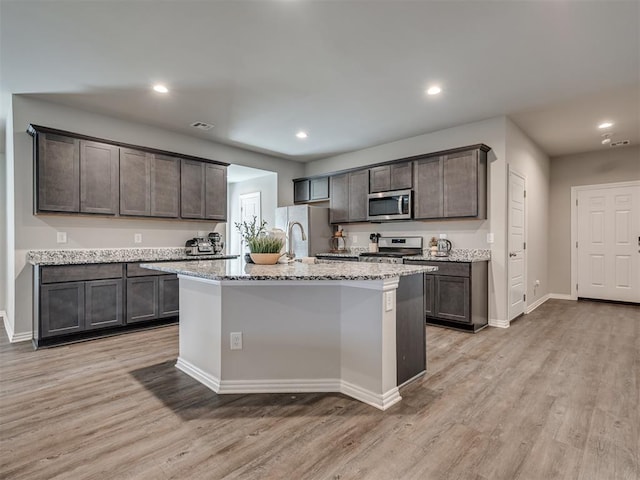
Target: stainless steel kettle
x,y
444,247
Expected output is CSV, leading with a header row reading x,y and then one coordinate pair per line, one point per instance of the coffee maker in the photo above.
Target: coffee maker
x,y
216,241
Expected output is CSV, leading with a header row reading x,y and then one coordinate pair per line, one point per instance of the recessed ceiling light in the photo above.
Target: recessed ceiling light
x,y
606,140
434,90
160,88
301,134
605,125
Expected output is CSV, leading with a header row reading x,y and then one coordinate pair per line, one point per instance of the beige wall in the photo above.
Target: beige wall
x,y
606,165
34,232
463,234
527,159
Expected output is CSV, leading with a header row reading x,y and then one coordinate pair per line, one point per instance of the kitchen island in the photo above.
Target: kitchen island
x,y
334,327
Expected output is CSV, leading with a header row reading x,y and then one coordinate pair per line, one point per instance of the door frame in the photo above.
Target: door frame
x,y
574,225
241,198
511,170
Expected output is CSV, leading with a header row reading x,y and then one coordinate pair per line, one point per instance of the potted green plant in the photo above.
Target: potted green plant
x,y
264,249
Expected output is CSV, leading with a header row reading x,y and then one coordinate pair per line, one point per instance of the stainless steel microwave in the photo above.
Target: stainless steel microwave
x,y
395,205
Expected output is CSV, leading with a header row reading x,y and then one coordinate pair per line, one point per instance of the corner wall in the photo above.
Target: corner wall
x,y
607,165
526,158
463,234
35,232
3,231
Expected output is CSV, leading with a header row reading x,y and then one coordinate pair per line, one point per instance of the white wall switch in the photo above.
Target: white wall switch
x,y
489,237
61,237
388,301
236,341
137,238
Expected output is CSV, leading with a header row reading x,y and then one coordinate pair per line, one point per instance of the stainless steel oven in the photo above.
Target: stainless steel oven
x,y
385,206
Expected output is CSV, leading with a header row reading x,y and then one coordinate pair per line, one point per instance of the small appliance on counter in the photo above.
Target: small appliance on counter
x,y
216,242
373,242
444,247
199,246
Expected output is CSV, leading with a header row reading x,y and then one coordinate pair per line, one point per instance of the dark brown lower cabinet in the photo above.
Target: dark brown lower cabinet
x,y
168,296
411,349
76,302
61,309
456,296
151,294
103,304
142,299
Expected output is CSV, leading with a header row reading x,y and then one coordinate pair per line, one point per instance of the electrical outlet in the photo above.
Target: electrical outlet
x,y
137,238
61,237
236,341
200,233
443,236
388,301
489,237
354,238
537,283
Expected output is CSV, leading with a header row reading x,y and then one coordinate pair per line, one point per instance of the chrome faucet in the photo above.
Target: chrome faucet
x,y
290,254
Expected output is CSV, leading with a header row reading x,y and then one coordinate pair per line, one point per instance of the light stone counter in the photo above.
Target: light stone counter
x,y
458,255
238,270
113,255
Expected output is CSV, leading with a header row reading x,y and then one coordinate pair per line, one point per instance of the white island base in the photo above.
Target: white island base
x,y
297,336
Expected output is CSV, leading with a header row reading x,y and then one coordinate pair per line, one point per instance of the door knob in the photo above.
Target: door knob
x,y
511,254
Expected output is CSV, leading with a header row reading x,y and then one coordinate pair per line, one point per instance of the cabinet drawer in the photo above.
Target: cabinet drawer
x,y
452,269
135,270
75,273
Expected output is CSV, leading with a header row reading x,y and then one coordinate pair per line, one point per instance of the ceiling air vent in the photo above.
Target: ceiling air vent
x,y
620,143
202,125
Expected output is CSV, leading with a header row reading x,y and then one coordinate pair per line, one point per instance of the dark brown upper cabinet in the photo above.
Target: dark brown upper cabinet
x,y
135,182
451,186
203,190
339,201
150,184
397,176
79,174
58,173
99,173
165,186
348,202
310,189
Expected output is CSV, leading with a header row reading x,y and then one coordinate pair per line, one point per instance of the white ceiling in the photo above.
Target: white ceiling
x,y
351,73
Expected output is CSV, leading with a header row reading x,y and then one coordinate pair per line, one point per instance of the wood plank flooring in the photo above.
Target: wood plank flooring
x,y
555,396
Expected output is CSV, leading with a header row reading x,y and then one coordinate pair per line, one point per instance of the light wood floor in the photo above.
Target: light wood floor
x,y
554,396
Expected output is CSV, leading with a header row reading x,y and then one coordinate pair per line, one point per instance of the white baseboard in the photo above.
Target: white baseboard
x,y
494,322
380,401
561,296
537,303
8,327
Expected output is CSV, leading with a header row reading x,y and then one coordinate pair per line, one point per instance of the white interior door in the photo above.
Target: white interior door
x,y
516,262
250,206
609,243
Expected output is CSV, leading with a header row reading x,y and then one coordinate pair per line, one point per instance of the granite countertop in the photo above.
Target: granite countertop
x,y
338,255
113,255
239,270
465,255
457,255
